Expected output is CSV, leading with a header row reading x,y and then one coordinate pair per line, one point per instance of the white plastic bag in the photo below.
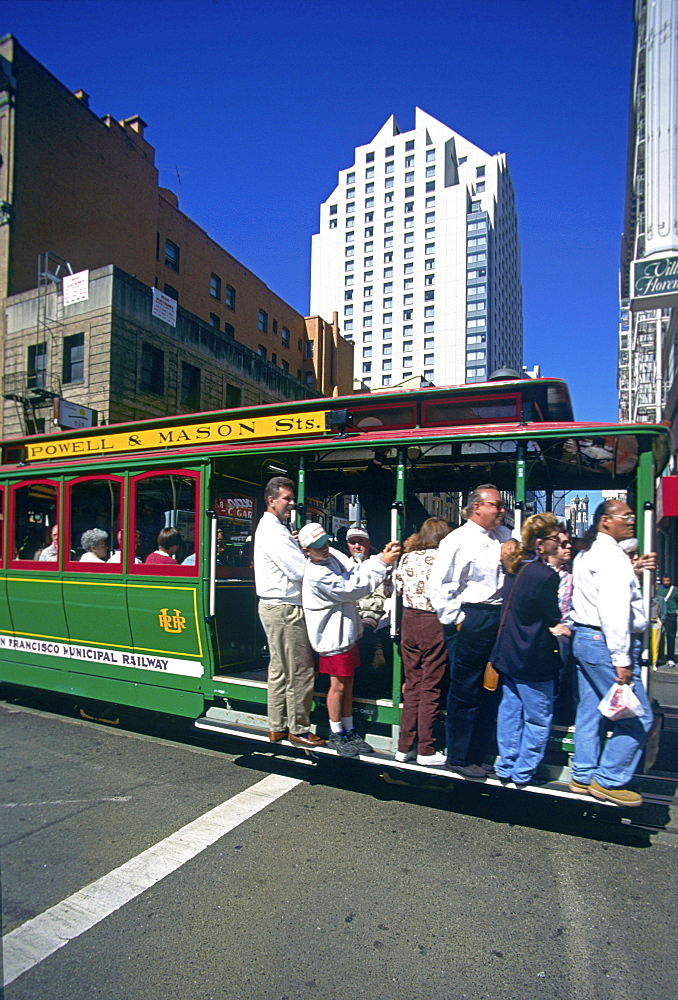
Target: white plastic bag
x,y
620,702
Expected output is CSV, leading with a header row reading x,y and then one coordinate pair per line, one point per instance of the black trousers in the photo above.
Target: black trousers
x,y
471,710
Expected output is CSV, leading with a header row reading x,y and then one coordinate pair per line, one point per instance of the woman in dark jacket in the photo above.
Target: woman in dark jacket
x,y
526,652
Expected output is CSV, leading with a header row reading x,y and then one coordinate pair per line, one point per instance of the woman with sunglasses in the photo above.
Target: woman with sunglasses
x,y
526,652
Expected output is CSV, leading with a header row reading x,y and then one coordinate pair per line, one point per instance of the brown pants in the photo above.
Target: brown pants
x,y
424,656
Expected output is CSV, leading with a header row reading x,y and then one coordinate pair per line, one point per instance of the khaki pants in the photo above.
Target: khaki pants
x,y
290,672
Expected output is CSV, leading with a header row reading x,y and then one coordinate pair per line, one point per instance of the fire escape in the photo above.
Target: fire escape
x,y
35,389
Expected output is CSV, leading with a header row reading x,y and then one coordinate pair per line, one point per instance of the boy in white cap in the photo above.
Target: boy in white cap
x,y
329,593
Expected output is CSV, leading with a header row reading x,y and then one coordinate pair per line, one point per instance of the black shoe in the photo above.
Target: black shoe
x,y
343,744
357,741
469,771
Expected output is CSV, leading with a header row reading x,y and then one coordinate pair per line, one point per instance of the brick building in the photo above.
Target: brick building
x,y
84,190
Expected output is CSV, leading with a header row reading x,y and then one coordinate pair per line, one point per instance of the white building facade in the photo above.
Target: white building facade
x,y
418,252
648,359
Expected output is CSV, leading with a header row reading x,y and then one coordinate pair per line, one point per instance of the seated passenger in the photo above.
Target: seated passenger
x,y
372,609
526,652
169,541
422,647
117,555
50,553
95,545
329,593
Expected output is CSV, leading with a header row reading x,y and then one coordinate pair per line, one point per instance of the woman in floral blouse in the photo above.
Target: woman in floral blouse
x,y
422,646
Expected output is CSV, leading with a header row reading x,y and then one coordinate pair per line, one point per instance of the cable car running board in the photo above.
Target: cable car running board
x,y
382,759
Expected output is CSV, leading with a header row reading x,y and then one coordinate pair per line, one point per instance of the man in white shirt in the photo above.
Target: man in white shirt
x,y
464,589
279,567
609,619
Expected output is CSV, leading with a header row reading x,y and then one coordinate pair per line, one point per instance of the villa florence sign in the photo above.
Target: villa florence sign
x,y
656,280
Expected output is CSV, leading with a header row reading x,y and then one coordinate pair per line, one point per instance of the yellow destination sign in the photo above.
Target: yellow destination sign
x,y
208,432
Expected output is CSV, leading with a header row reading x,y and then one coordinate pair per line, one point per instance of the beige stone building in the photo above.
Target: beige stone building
x,y
79,192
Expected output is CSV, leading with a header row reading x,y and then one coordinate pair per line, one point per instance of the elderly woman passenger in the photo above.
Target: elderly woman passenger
x,y
95,545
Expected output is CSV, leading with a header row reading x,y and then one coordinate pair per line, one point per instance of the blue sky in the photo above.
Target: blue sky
x,y
257,105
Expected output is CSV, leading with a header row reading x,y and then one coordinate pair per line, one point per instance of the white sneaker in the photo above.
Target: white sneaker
x,y
431,759
402,756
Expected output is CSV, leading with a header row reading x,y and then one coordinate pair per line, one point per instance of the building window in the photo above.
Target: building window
x,y
430,202
387,379
409,254
407,314
409,144
369,173
409,238
409,177
285,337
172,292
152,370
430,248
387,366
215,321
367,338
285,365
429,311
299,344
190,387
368,261
430,155
350,178
389,183
388,272
430,171
369,216
348,310
475,206
428,359
263,321
215,286
407,362
369,158
308,353
350,193
480,187
429,279
348,296
309,379
367,352
348,325
367,366
367,321
430,186
409,161
388,200
480,171
428,295
333,223
408,299
74,358
350,207
230,297
261,351
233,395
388,242
387,333
387,349
172,255
37,366
390,167
333,209
429,265
369,189
350,236
387,318
229,330
349,251
274,358
367,307
408,269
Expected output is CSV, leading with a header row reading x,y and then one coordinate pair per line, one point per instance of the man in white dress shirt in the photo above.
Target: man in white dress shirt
x,y
464,588
609,620
279,566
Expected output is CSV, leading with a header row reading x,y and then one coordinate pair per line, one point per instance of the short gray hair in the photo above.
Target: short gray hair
x,y
92,537
476,497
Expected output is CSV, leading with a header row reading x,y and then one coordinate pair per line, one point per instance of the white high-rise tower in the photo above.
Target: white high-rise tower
x,y
418,253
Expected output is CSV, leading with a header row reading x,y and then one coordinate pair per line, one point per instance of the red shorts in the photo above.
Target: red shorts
x,y
341,664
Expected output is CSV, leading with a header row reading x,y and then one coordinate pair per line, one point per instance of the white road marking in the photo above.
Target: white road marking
x,y
64,802
32,942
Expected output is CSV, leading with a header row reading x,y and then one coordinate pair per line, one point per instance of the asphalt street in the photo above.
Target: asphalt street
x,y
321,883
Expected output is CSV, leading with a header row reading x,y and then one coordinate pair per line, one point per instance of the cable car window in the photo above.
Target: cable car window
x,y
165,517
35,524
93,523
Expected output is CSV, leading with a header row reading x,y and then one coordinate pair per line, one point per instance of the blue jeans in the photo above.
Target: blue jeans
x,y
616,765
523,726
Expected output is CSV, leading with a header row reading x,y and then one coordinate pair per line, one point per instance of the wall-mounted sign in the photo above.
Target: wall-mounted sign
x,y
164,307
655,283
75,287
75,415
